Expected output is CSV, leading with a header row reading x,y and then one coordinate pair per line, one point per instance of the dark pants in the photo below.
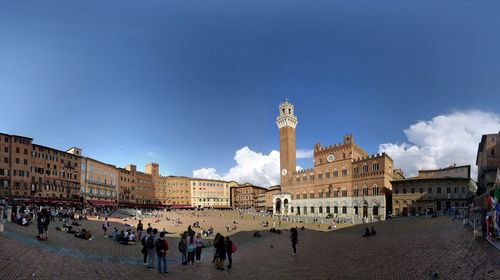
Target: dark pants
x,y
198,253
229,258
294,246
191,257
145,256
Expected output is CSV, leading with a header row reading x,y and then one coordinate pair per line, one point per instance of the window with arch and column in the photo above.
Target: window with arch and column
x,y
320,194
355,170
335,193
344,171
344,209
335,210
327,209
365,190
365,168
375,190
375,166
320,209
335,173
355,191
344,192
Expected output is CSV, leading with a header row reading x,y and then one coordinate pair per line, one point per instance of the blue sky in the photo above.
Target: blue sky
x,y
188,83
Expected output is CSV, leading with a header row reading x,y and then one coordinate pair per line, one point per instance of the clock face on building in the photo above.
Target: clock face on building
x,y
284,172
330,158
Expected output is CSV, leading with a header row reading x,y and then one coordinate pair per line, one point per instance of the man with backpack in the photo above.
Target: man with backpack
x,y
161,250
151,249
144,250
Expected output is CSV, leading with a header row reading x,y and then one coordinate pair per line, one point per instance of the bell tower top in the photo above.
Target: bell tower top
x,y
286,116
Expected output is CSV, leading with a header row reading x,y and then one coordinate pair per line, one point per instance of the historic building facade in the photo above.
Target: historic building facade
x,y
206,193
487,161
54,173
433,191
38,173
345,181
245,195
269,197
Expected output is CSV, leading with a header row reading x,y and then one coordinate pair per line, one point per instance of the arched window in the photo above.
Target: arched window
x,y
335,193
335,210
365,168
297,196
311,195
344,171
355,210
375,190
344,209
335,173
312,209
375,166
304,195
320,194
321,209
355,191
344,192
327,209
375,210
355,170
291,209
365,190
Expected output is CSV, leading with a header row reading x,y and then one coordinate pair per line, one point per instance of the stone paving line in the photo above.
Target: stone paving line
x,y
406,249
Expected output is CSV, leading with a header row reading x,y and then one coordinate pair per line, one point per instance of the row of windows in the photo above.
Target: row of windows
x,y
18,140
205,184
312,210
335,173
430,190
335,192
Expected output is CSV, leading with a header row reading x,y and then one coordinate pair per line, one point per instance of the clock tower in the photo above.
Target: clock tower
x,y
287,122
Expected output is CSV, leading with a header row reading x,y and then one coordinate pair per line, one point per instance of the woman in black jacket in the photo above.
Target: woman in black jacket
x,y
220,251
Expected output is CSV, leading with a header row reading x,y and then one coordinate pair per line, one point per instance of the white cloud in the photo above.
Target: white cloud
x,y
305,153
442,141
150,154
256,168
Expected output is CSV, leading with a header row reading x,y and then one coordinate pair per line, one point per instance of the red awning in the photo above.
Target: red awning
x,y
102,203
181,207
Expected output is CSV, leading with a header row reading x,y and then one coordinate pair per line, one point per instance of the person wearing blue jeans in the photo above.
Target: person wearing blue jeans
x,y
161,249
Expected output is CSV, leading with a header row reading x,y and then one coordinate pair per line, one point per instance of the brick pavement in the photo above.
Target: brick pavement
x,y
402,249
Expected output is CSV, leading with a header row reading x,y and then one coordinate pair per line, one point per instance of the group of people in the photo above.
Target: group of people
x,y
190,246
369,233
125,237
155,247
224,247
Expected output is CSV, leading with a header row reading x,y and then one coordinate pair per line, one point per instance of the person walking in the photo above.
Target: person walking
x,y
144,250
220,248
199,246
191,249
182,246
294,236
40,225
46,222
151,249
161,250
105,226
140,228
230,249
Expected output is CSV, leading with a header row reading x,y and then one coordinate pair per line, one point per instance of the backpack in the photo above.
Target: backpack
x,y
150,242
160,245
233,248
191,248
182,246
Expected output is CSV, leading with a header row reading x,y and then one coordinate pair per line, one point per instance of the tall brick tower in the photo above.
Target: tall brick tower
x,y
287,122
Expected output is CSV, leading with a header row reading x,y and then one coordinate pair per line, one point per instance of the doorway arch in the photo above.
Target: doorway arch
x,y
278,206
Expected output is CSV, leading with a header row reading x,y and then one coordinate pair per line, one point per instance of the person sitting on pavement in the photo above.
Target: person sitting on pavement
x,y
367,233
